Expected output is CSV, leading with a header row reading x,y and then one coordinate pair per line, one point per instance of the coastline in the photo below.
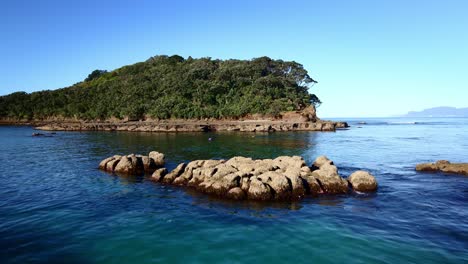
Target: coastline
x,y
183,125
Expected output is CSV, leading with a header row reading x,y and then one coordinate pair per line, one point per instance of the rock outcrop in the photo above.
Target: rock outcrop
x,y
133,164
444,166
291,124
363,181
329,179
239,178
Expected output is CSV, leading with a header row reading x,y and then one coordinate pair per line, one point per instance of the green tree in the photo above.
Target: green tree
x,y
95,74
173,87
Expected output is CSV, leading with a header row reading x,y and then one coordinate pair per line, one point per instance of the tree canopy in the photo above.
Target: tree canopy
x,y
173,87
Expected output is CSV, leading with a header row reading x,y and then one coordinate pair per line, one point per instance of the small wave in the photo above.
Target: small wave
x,y
409,138
402,123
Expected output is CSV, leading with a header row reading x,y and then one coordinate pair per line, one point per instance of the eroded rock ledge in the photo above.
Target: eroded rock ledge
x,y
444,166
239,178
193,126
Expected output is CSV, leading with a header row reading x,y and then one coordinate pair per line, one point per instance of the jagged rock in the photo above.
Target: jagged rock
x,y
312,184
221,185
327,176
158,158
427,167
305,170
170,177
328,126
278,182
341,125
109,163
284,162
212,163
262,167
258,190
305,121
137,164
180,181
237,161
362,181
444,166
133,164
321,160
310,114
125,166
236,194
329,168
198,177
297,185
282,178
110,166
103,163
222,170
245,184
330,182
158,174
148,163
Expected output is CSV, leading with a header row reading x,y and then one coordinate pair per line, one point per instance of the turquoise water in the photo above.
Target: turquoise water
x,y
56,207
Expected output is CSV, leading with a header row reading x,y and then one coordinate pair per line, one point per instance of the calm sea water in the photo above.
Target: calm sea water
x,y
56,207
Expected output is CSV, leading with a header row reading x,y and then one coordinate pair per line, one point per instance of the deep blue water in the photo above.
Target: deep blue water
x,y
56,207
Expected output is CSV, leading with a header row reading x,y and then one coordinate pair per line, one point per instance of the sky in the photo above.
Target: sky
x,y
370,58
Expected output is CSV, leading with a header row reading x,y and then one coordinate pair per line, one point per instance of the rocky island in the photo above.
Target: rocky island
x,y
242,178
174,94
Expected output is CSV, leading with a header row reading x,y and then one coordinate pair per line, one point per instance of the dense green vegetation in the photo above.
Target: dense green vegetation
x,y
173,87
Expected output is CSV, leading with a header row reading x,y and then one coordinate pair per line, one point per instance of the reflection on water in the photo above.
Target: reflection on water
x,y
191,146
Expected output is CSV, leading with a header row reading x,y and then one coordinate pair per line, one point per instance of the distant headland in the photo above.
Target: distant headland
x,y
171,93
442,111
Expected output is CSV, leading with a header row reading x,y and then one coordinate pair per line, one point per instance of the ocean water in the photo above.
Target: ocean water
x,y
57,207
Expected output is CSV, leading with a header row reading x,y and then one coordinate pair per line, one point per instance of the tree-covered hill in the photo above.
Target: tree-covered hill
x,y
173,87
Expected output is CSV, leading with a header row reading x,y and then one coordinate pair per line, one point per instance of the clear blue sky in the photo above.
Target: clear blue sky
x,y
371,58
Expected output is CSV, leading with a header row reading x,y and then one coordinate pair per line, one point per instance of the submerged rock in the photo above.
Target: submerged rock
x,y
158,158
444,166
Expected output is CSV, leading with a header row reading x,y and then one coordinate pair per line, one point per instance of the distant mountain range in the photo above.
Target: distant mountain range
x,y
442,111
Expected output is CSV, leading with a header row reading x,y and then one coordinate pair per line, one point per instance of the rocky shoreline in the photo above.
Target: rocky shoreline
x,y
192,126
304,120
239,178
